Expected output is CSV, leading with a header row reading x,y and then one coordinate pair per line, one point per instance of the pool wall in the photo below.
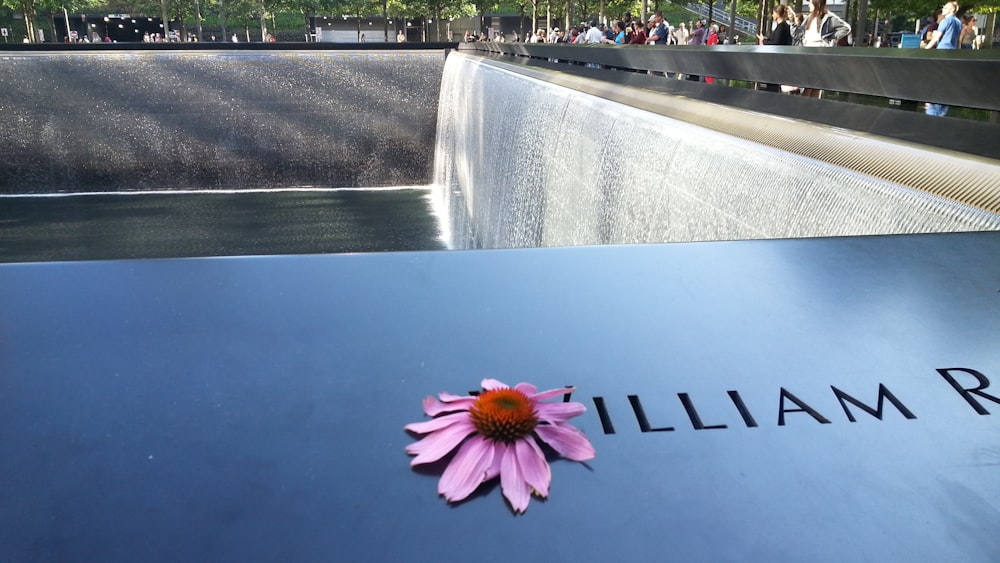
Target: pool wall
x,y
162,120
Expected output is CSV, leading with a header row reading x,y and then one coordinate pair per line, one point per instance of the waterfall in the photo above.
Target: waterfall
x,y
521,162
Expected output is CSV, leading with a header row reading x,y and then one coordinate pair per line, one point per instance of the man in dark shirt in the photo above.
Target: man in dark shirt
x,y
659,35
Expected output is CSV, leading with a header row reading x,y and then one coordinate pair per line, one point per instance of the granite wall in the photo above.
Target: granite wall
x,y
157,120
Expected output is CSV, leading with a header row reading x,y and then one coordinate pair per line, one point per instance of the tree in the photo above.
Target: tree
x,y
312,7
63,8
26,7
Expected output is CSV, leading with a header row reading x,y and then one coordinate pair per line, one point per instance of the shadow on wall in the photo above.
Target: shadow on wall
x,y
236,120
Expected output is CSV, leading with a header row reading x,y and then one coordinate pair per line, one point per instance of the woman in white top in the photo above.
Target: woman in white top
x,y
822,29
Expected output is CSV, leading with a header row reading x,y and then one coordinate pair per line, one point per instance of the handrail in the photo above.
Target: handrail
x,y
959,77
722,16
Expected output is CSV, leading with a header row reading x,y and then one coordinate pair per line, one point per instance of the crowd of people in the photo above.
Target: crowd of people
x,y
819,27
626,31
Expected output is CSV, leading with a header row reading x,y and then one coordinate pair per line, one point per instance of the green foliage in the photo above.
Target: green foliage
x,y
293,14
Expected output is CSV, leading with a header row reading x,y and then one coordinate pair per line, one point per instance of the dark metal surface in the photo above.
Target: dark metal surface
x,y
252,409
969,137
150,119
958,77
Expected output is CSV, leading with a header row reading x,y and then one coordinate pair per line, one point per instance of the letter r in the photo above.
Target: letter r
x,y
967,393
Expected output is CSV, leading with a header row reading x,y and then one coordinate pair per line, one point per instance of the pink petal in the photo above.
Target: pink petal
x,y
567,440
499,449
437,444
467,470
491,384
434,407
552,393
515,488
448,397
526,388
534,468
437,423
559,412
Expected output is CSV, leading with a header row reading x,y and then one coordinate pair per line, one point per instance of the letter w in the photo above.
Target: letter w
x,y
883,393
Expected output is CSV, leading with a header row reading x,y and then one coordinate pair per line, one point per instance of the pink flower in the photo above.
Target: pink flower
x,y
496,434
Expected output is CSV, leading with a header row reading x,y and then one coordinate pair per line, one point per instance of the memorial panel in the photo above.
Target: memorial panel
x,y
814,399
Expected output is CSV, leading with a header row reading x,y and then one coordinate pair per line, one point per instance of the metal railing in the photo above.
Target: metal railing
x,y
956,77
743,25
907,76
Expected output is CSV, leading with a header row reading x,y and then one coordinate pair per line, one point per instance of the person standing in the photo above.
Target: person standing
x,y
659,34
638,34
782,32
713,35
822,28
618,29
930,26
969,32
682,34
697,34
594,34
946,36
780,35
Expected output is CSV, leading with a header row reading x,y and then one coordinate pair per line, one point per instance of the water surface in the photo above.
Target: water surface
x,y
112,226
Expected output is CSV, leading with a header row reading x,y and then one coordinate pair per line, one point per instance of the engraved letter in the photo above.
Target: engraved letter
x,y
693,414
883,393
967,393
602,411
802,408
640,417
744,411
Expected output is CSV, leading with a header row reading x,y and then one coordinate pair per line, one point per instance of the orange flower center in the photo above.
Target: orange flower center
x,y
503,415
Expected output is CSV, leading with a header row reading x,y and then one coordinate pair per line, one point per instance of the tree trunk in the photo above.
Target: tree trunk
x,y
52,26
28,9
197,15
166,22
385,19
987,32
733,37
534,16
263,21
862,29
763,12
222,20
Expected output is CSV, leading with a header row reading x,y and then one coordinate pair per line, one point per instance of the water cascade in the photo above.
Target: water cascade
x,y
523,163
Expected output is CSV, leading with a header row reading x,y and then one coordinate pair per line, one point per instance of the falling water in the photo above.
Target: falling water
x,y
525,163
